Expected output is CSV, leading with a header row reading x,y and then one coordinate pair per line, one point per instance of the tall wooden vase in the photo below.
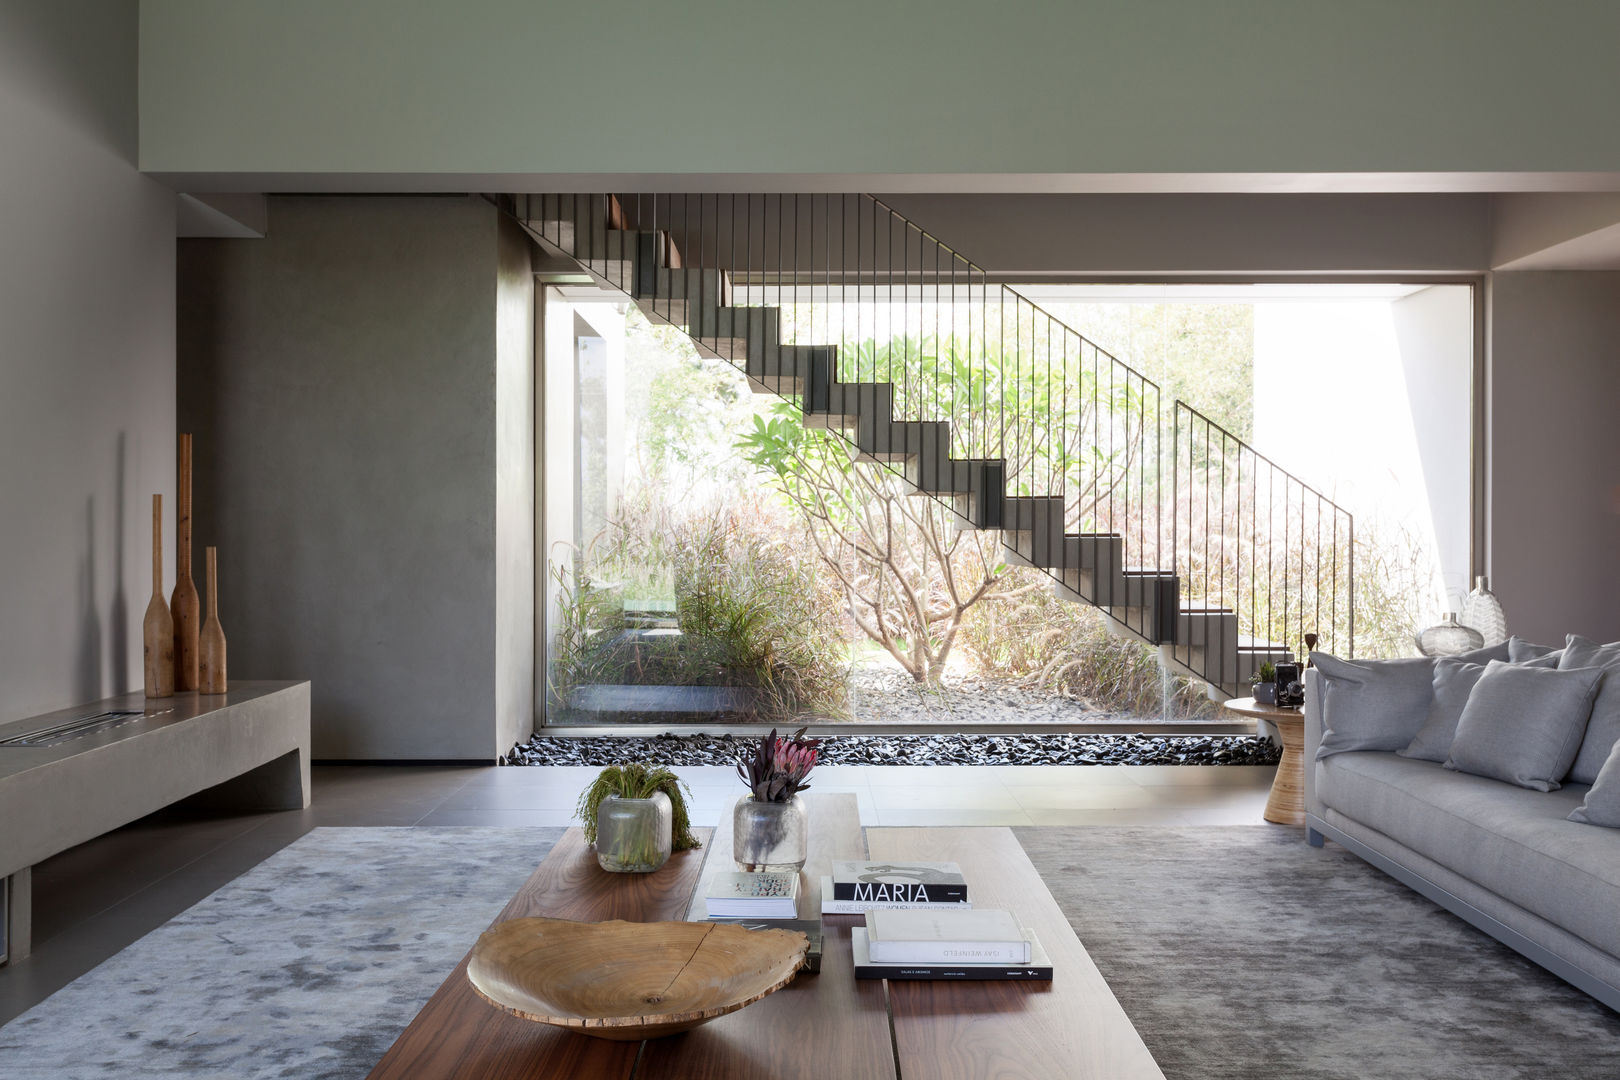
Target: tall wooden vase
x,y
157,631
184,606
212,647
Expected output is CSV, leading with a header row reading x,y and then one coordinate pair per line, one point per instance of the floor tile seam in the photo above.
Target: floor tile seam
x,y
457,790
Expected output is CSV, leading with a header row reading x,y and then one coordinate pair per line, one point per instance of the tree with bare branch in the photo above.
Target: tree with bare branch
x,y
908,572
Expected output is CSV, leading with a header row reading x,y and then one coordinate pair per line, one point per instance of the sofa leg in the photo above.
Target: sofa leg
x,y
1314,838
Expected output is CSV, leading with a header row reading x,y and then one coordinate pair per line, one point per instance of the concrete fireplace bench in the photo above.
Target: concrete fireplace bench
x,y
69,776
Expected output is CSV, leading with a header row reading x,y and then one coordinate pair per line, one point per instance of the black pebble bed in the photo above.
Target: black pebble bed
x,y
941,749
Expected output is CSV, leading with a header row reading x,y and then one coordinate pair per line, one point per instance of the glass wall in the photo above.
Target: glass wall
x,y
712,559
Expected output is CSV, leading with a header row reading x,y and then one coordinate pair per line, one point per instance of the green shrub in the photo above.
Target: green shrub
x,y
1034,639
752,611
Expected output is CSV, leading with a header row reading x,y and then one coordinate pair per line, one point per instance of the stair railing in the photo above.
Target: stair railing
x,y
1252,538
1052,440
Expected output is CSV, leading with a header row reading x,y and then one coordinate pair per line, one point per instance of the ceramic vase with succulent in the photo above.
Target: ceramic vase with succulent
x,y
770,826
1264,682
636,815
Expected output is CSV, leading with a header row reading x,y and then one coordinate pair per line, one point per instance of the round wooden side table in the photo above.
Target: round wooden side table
x,y
1286,804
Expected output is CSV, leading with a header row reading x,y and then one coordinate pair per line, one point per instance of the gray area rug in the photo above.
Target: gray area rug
x,y
1242,952
1237,952
308,966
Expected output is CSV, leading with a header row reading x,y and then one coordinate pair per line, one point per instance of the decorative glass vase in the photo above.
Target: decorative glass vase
x,y
1448,637
634,836
1483,612
770,836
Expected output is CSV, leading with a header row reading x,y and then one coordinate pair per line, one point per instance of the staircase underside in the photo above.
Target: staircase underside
x,y
1090,568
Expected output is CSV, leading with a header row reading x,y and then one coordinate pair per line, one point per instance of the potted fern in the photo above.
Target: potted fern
x,y
636,815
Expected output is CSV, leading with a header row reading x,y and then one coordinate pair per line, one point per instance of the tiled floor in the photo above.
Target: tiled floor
x,y
92,901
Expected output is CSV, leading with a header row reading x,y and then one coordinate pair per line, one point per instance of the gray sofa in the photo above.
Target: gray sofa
x,y
1499,856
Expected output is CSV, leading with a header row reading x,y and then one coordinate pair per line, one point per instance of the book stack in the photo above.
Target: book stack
x,y
753,896
855,888
932,944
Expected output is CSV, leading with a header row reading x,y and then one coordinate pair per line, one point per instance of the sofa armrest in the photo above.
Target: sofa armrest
x,y
1315,691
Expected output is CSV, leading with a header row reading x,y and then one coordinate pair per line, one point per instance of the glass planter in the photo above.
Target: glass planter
x,y
770,836
1448,637
634,836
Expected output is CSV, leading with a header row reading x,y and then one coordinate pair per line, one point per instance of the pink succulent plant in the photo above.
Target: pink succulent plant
x,y
779,767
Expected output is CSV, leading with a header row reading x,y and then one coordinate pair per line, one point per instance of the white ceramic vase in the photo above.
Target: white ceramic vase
x,y
1483,612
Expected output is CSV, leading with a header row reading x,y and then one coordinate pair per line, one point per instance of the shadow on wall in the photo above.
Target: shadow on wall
x,y
94,669
118,621
87,671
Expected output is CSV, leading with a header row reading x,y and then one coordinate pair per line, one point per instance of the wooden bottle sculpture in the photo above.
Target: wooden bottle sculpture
x,y
184,607
212,646
157,632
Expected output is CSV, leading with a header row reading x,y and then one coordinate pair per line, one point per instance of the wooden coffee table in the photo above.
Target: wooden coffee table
x,y
1286,803
818,1026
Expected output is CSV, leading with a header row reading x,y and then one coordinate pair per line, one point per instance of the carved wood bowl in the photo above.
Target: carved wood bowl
x,y
624,980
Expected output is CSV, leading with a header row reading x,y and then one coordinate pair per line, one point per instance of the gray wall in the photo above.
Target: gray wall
x,y
1076,236
1097,89
86,357
514,487
343,378
1554,482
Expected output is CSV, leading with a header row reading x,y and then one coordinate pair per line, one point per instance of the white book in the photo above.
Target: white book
x,y
985,936
753,896
830,905
1039,968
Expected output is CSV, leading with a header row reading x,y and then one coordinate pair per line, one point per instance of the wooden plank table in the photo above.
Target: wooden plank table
x,y
822,1025
818,1026
1072,1027
459,1034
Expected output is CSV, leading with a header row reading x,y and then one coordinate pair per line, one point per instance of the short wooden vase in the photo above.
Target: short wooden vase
x,y
211,647
157,629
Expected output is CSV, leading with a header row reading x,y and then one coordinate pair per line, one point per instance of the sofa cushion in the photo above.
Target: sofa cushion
x,y
1524,724
1602,805
1513,841
1580,652
1602,731
1453,681
1520,650
1379,704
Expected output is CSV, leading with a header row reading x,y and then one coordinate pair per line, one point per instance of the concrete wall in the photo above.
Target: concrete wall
x,y
87,430
1076,236
1093,93
514,487
343,378
1554,479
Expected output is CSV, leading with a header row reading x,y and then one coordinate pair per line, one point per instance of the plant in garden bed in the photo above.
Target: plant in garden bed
x,y
1034,639
907,573
753,612
638,838
769,827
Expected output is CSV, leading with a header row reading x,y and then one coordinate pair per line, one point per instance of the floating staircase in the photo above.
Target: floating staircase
x,y
1178,531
